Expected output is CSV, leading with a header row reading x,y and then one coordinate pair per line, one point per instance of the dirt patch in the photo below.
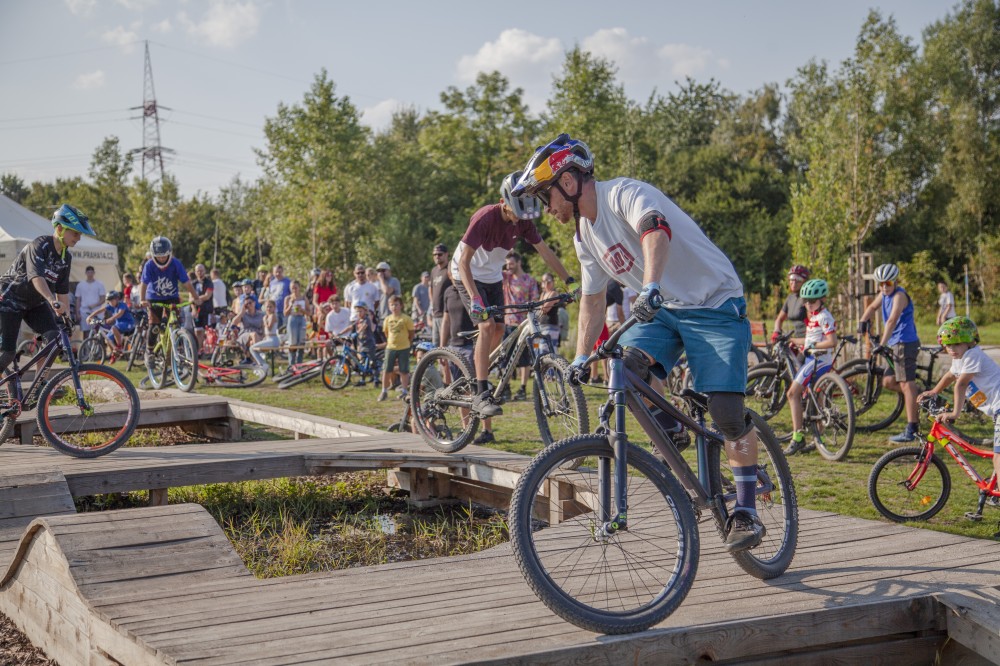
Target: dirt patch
x,y
17,650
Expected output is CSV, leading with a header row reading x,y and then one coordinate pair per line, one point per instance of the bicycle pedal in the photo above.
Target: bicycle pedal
x,y
974,517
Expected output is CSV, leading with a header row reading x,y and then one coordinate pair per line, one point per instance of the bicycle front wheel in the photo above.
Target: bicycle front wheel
x,y
875,407
440,408
613,584
901,491
184,360
566,414
93,423
336,372
831,411
776,502
92,351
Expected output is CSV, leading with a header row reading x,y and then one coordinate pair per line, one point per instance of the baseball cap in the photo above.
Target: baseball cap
x,y
383,266
262,268
441,247
361,304
425,274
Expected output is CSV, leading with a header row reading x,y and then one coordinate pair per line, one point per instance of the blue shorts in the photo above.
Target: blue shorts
x,y
124,330
716,341
809,371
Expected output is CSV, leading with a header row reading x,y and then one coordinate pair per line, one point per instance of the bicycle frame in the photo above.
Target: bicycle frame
x,y
43,358
527,336
627,391
942,435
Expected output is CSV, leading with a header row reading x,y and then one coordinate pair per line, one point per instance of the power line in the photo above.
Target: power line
x,y
212,129
82,122
65,54
61,115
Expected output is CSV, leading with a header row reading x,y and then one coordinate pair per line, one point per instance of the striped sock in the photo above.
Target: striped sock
x,y
746,485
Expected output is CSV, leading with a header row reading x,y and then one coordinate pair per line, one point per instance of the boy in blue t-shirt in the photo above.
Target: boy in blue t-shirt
x,y
160,285
118,314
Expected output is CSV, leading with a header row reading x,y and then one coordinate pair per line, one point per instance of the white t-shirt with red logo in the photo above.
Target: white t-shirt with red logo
x,y
696,275
818,326
984,390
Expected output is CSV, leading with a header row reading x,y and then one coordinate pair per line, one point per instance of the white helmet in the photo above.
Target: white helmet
x,y
524,207
886,273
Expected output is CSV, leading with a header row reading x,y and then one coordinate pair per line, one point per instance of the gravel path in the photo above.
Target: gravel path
x,y
16,650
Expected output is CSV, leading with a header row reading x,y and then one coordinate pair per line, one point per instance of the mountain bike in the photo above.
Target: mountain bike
x,y
913,483
337,369
176,348
447,421
613,546
139,336
828,406
85,410
99,348
876,407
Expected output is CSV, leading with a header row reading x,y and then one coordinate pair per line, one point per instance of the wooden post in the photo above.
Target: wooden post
x,y
157,497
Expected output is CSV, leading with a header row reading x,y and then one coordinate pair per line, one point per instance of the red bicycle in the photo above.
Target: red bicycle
x,y
912,483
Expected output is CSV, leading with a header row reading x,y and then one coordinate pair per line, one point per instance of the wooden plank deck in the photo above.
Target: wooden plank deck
x,y
163,584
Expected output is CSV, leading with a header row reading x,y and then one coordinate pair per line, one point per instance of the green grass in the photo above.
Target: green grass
x,y
988,334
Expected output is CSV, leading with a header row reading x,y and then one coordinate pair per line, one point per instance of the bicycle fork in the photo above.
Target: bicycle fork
x,y
614,517
81,401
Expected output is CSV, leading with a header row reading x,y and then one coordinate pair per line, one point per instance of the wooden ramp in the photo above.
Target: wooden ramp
x,y
163,585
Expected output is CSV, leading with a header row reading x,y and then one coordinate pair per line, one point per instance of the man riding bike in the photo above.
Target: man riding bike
x,y
477,273
35,289
629,231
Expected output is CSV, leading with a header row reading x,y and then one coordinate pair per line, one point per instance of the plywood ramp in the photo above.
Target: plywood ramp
x,y
163,585
46,588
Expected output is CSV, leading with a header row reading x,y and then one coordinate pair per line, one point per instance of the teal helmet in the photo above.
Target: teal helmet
x,y
814,289
71,218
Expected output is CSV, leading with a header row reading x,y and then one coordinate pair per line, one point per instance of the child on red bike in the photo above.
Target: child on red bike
x,y
820,339
976,376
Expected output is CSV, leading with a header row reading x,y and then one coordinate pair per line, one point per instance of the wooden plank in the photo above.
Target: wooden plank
x,y
975,623
287,419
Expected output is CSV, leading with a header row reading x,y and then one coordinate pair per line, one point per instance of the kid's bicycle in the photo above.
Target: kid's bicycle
x,y
176,349
447,421
613,546
913,483
85,410
338,369
828,407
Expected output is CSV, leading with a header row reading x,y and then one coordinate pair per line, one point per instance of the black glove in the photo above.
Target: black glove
x,y
578,372
863,327
648,302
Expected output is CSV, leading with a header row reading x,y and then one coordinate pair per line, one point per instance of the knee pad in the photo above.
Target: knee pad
x,y
729,415
637,361
49,336
6,358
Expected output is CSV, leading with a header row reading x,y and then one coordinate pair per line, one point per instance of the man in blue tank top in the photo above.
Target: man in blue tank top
x,y
900,334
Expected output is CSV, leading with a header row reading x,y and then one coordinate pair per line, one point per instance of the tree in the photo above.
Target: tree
x,y
105,199
12,187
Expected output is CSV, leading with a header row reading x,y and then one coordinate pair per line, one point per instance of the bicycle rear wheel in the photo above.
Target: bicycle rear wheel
x,y
184,360
777,504
875,407
295,380
444,425
244,375
92,351
899,500
104,422
833,426
615,584
336,372
767,388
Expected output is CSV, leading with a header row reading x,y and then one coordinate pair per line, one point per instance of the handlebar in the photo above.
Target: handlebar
x,y
524,307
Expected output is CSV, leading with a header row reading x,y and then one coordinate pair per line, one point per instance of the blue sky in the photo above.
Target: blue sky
x,y
71,69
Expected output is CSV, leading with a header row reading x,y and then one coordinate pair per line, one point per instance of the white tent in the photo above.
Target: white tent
x,y
19,226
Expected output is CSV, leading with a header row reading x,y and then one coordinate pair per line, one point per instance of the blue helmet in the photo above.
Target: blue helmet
x,y
425,346
71,218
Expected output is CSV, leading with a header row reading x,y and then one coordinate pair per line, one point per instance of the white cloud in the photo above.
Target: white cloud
x,y
137,5
90,81
122,36
226,23
685,60
641,63
81,7
526,59
379,116
162,27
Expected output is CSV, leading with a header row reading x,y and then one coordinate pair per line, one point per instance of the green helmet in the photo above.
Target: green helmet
x,y
814,289
957,331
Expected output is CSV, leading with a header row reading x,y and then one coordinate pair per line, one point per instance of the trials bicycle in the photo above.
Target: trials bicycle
x,y
913,483
177,349
613,546
447,421
85,410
